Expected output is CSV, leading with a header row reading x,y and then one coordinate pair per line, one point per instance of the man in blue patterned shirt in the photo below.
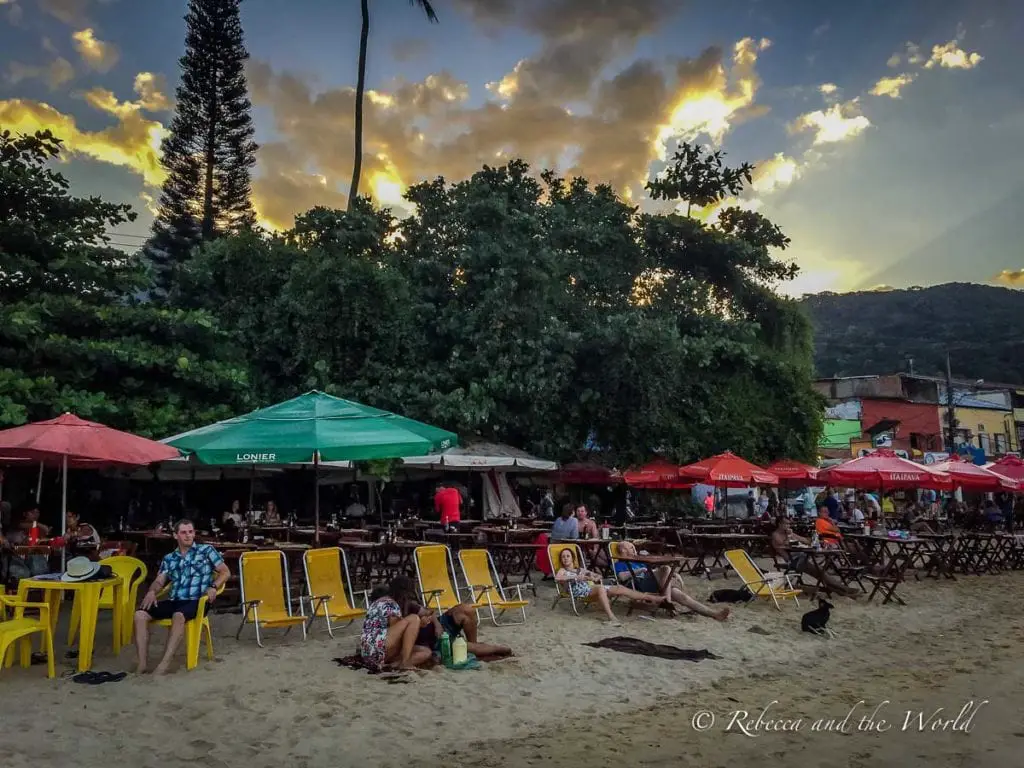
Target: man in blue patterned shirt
x,y
194,571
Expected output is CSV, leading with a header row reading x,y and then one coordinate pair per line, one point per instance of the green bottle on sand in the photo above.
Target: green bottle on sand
x,y
446,649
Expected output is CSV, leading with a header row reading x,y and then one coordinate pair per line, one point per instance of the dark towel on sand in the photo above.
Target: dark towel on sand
x,y
644,648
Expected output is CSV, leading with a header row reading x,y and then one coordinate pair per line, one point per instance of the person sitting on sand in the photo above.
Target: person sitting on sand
x,y
584,584
459,620
388,637
799,562
649,583
193,570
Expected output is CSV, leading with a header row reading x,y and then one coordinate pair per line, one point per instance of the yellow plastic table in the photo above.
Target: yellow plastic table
x,y
88,593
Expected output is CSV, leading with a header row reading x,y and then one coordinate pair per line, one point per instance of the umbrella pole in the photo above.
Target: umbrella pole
x,y
39,482
316,498
63,509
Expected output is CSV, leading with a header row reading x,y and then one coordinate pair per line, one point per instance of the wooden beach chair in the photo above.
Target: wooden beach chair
x,y
20,630
562,590
196,629
485,586
438,589
266,594
761,585
133,572
330,588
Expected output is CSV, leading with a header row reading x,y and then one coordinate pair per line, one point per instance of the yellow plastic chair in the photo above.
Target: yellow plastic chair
x,y
266,594
562,590
761,585
481,579
437,589
330,588
133,572
21,628
195,629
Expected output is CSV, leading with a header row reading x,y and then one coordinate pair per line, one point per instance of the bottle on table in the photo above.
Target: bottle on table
x,y
33,534
815,541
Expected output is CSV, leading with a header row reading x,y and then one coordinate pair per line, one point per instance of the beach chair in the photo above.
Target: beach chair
x,y
21,629
760,584
438,589
330,588
562,590
195,629
266,594
133,572
484,585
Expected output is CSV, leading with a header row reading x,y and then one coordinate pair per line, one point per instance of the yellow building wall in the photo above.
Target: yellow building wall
x,y
993,422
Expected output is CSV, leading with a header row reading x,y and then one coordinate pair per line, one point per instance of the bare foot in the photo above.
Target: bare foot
x,y
722,615
140,669
162,669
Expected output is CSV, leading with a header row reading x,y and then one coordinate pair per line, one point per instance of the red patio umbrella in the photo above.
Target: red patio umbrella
x,y
793,471
1009,466
883,469
71,441
727,470
652,475
968,475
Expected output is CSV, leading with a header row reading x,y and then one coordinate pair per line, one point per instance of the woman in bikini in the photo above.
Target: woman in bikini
x,y
583,584
388,638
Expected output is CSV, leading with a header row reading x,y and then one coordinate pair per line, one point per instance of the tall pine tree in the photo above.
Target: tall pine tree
x,y
210,149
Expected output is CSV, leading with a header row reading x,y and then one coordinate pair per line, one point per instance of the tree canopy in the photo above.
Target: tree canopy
x,y
73,337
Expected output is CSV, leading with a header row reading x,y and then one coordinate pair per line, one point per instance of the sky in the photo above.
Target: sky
x,y
885,134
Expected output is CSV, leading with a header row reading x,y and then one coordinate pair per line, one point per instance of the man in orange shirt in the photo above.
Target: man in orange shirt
x,y
446,503
828,533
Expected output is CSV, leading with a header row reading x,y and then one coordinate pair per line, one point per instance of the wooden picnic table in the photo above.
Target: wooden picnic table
x,y
714,545
890,557
514,559
833,561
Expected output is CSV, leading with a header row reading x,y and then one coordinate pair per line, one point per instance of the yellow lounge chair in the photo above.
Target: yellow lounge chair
x,y
562,589
330,588
760,584
21,629
195,629
133,571
266,595
438,590
481,578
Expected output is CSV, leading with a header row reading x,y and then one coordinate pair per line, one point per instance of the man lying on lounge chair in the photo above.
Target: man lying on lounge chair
x,y
644,581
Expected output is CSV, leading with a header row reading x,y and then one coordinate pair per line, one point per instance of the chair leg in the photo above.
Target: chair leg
x,y
51,672
208,637
193,630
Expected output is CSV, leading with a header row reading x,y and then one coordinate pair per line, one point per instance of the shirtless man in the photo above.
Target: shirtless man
x,y
799,562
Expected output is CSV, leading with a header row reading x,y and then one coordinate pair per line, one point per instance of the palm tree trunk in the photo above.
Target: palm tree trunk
x,y
357,161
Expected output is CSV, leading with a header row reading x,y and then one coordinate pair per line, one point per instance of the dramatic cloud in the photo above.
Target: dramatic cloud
x,y
777,173
837,123
827,89
97,54
952,56
152,92
891,86
132,143
1011,277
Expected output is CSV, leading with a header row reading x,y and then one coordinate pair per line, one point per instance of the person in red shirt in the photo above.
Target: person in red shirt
x,y
446,503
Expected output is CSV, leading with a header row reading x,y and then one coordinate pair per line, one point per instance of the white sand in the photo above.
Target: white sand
x,y
289,704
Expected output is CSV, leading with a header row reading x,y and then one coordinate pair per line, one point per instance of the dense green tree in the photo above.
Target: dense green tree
x,y
72,338
209,152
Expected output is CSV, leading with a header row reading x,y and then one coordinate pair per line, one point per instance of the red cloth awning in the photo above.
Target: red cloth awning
x,y
789,470
84,443
883,469
727,470
974,478
588,473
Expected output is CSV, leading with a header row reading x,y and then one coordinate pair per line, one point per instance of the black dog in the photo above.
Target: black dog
x,y
816,621
731,596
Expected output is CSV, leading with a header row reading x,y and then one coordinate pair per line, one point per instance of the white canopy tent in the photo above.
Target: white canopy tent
x,y
482,456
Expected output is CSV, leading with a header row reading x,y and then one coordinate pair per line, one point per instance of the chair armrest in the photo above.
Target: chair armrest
x,y
250,603
11,602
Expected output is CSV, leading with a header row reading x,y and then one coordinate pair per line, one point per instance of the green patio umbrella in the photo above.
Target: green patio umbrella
x,y
312,427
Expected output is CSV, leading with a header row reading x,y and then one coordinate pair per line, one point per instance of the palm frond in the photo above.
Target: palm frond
x,y
427,9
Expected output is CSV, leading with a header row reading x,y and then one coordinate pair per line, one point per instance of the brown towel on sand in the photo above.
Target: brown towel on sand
x,y
644,648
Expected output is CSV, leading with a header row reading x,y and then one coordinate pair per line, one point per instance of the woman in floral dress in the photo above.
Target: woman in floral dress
x,y
389,639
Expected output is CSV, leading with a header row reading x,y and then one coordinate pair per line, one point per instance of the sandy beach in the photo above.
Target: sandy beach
x,y
562,703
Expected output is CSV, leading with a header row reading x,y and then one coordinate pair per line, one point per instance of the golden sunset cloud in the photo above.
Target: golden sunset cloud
x,y
1011,277
951,56
837,123
891,86
95,53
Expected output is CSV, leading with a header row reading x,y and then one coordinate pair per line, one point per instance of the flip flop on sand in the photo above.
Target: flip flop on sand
x,y
98,678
